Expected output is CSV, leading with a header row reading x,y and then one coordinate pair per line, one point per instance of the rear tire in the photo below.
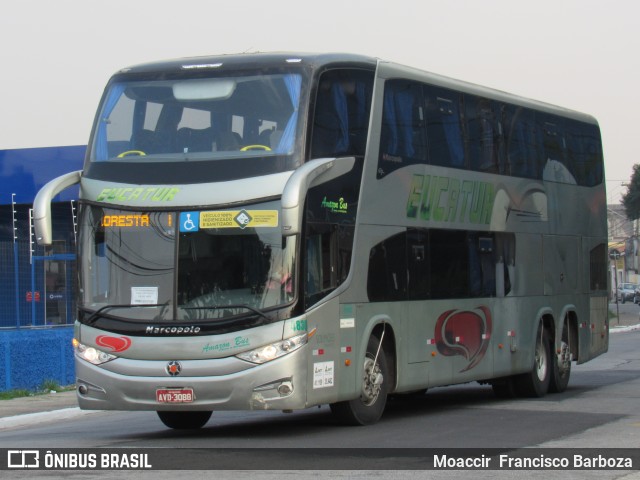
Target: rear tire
x,y
369,406
561,365
184,420
536,382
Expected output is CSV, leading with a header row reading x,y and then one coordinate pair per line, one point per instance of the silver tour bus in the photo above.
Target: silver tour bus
x,y
278,231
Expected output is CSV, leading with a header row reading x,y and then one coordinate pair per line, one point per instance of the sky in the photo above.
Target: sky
x,y
56,56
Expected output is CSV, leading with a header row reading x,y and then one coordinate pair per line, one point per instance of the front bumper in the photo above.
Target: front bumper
x,y
218,384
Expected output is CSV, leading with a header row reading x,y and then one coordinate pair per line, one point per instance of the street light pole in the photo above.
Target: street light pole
x,y
615,255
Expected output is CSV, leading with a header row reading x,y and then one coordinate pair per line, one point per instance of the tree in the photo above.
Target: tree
x,y
631,199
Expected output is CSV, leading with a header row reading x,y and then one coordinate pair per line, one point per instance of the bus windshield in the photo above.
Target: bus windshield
x,y
225,263
240,117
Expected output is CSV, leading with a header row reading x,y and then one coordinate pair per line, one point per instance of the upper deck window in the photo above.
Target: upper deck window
x,y
341,115
233,119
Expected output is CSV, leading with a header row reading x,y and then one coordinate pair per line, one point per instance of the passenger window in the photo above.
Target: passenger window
x,y
523,143
484,135
387,278
598,265
402,138
443,127
328,259
418,264
341,115
584,153
449,263
422,264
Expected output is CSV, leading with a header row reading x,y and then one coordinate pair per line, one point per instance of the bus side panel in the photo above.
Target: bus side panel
x,y
596,331
593,316
562,264
333,341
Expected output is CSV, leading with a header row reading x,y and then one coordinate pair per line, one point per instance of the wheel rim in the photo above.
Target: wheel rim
x,y
541,361
371,382
564,359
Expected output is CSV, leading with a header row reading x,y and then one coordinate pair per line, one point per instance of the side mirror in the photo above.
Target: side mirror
x,y
315,172
42,205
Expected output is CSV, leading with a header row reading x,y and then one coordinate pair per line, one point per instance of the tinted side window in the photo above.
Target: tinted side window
x,y
449,264
444,131
420,264
598,267
341,114
418,287
523,143
328,258
387,278
402,137
427,124
330,212
483,134
584,153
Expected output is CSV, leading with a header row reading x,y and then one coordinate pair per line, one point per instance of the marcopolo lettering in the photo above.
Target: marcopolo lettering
x,y
153,330
445,199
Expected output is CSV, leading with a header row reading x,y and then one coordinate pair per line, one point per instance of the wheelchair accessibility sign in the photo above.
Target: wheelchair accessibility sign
x,y
189,221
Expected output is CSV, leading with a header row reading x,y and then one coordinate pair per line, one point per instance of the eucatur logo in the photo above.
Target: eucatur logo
x,y
114,344
464,332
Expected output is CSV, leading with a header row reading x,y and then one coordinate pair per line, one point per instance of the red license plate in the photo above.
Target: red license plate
x,y
175,395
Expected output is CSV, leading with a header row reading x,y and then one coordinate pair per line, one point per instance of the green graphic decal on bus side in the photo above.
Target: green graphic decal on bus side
x,y
154,194
445,199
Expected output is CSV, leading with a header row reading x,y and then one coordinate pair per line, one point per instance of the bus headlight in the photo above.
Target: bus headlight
x,y
92,355
270,352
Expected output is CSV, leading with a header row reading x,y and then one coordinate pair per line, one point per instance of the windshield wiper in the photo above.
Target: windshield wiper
x,y
224,307
95,314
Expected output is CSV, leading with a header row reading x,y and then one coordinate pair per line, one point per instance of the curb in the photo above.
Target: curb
x,y
27,419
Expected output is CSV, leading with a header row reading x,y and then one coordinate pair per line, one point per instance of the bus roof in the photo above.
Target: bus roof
x,y
265,60
318,61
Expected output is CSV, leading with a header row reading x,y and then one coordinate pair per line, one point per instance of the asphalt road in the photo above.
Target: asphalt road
x,y
598,410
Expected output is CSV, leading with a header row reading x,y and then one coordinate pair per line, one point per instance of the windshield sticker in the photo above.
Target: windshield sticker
x,y
144,295
239,219
335,207
154,194
189,221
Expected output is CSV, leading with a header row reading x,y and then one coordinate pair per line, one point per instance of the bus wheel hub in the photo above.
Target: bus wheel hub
x,y
372,382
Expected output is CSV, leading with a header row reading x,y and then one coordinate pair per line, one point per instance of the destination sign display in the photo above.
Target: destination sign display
x,y
136,220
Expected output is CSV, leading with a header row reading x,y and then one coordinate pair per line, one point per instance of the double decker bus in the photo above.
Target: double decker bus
x,y
279,231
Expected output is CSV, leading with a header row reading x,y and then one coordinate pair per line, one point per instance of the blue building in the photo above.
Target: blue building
x,y
37,285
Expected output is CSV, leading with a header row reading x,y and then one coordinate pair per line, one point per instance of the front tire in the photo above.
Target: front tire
x,y
369,406
184,420
536,382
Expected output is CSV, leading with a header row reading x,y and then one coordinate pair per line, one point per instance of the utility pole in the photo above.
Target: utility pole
x,y
615,255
